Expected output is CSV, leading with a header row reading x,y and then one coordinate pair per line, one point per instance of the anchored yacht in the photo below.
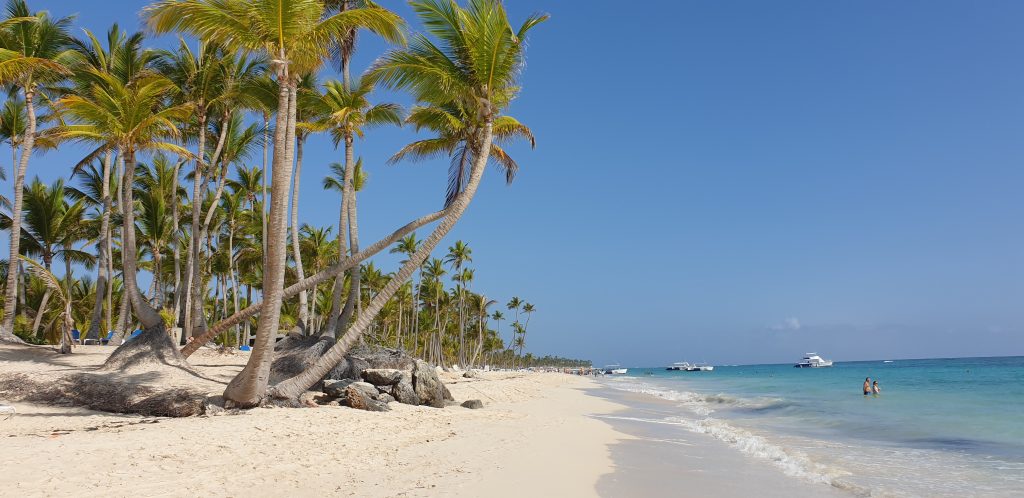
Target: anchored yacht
x,y
812,360
615,370
690,367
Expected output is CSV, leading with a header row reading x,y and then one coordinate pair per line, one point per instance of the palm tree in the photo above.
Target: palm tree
x,y
440,75
458,255
12,127
34,53
125,59
155,225
295,35
64,298
346,112
482,303
340,315
131,117
408,245
51,229
457,137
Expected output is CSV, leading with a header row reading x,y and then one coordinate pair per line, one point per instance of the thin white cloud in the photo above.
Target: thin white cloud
x,y
791,323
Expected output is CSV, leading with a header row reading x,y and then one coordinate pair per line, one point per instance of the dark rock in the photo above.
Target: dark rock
x,y
404,393
378,357
336,387
446,393
386,398
369,390
428,385
356,397
473,404
382,376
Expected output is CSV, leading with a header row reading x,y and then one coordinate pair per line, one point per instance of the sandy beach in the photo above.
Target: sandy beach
x,y
534,437
539,434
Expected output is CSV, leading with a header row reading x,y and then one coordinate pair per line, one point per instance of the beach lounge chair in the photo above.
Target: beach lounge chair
x,y
245,348
76,335
135,334
106,340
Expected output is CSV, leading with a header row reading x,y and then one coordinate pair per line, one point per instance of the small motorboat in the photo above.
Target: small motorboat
x,y
812,360
615,370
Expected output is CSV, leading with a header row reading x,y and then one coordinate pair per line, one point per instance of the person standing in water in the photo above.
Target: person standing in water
x,y
867,386
875,389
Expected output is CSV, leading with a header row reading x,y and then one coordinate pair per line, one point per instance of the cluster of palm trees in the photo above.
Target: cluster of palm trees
x,y
194,167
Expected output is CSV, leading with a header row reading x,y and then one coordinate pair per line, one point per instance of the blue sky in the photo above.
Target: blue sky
x,y
735,181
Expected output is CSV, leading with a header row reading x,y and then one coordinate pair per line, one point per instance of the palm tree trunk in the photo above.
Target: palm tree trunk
x,y
177,252
191,261
249,387
101,268
291,388
198,292
158,295
231,270
146,314
296,254
11,292
40,311
339,281
355,275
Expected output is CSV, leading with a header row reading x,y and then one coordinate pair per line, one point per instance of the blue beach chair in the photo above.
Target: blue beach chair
x,y
245,348
135,334
76,335
106,340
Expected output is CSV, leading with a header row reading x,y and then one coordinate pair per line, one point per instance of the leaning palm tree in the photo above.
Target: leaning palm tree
x,y
476,64
131,118
33,54
295,35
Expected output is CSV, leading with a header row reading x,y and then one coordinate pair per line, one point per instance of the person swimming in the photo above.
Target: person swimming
x,y
867,386
875,389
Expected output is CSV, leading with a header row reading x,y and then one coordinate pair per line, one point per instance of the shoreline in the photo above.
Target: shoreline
x,y
539,434
663,456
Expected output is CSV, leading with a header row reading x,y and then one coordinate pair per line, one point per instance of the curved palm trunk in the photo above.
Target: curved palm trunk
x,y
146,314
322,276
11,292
102,274
296,253
291,388
249,387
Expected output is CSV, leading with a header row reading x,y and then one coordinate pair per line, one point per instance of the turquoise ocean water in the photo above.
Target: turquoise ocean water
x,y
940,427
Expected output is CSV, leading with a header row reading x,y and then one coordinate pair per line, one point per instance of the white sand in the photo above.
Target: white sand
x,y
533,438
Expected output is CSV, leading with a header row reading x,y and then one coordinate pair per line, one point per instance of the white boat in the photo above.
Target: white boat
x,y
690,367
614,370
812,360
